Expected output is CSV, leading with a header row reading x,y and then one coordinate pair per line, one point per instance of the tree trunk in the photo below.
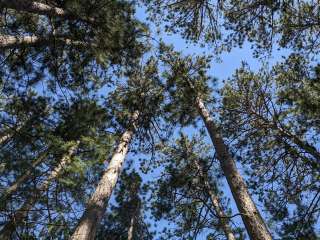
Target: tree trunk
x,y
14,187
91,218
19,216
251,217
8,41
223,218
40,9
131,227
5,137
33,7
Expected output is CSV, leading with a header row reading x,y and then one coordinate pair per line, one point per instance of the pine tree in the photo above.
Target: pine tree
x,y
188,85
228,24
135,105
186,186
19,216
273,114
126,217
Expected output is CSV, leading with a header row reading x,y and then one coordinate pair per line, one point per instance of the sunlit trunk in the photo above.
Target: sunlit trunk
x,y
33,7
91,218
8,41
40,9
18,217
131,227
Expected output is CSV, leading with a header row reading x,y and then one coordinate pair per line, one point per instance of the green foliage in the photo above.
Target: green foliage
x,y
186,78
229,23
180,196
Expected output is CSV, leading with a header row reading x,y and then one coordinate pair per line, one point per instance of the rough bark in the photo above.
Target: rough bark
x,y
223,218
256,228
18,217
8,41
91,218
23,178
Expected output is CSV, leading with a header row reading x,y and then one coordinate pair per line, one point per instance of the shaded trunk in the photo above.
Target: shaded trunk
x,y
19,216
22,179
91,218
256,228
223,218
8,41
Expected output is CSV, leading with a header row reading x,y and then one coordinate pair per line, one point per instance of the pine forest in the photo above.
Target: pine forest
x,y
160,119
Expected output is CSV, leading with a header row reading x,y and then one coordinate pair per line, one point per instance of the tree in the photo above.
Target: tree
x,y
136,105
65,53
82,119
225,24
126,217
187,84
273,114
187,194
18,217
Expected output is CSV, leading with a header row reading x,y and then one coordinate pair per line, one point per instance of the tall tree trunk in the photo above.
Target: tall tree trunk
x,y
8,41
33,7
91,218
223,218
40,9
131,227
14,187
19,216
251,217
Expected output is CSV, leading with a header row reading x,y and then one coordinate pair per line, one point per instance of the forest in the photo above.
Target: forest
x,y
160,119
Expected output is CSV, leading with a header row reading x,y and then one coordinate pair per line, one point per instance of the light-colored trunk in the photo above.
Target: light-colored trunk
x,y
4,138
33,7
14,187
256,228
223,218
19,216
131,227
8,41
10,134
40,9
91,218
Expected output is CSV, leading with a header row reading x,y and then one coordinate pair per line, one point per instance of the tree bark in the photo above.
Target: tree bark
x,y
131,227
41,9
34,7
5,137
91,218
14,187
223,218
8,41
256,228
19,216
